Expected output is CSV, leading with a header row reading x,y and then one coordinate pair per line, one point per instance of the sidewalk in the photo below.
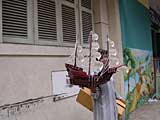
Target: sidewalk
x,y
149,111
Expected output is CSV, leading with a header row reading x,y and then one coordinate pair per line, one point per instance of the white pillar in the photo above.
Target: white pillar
x,y
101,20
107,22
115,35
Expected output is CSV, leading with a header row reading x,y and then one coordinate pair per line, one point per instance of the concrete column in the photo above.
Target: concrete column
x,y
115,35
107,22
101,21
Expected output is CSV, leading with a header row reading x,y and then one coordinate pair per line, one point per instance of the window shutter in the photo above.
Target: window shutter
x,y
86,3
14,18
72,1
86,19
47,20
68,24
87,25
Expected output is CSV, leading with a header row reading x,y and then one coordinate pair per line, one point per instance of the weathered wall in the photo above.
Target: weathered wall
x,y
46,109
26,70
26,74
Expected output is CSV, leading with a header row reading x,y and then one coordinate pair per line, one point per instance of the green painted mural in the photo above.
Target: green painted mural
x,y
137,53
138,77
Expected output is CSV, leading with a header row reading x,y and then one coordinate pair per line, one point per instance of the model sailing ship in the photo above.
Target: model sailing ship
x,y
77,75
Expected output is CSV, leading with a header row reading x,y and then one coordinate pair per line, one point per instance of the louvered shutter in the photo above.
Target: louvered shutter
x,y
47,20
72,1
86,14
86,3
14,18
68,23
86,25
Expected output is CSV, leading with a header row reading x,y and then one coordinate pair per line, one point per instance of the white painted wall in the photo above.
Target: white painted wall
x,y
26,73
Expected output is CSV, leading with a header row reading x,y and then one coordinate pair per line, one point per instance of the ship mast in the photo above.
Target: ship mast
x,y
108,46
76,48
90,47
90,53
75,55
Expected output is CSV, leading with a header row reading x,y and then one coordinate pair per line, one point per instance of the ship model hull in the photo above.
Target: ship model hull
x,y
79,77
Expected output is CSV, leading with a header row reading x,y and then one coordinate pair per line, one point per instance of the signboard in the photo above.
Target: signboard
x,y
60,87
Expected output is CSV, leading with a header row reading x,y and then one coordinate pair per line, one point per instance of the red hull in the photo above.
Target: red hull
x,y
79,77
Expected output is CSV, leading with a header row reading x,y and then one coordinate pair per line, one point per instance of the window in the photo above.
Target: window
x,y
15,21
86,15
14,18
46,22
68,24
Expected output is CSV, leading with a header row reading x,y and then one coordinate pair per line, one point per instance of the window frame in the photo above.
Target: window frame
x,y
1,38
75,6
36,35
81,24
32,25
29,39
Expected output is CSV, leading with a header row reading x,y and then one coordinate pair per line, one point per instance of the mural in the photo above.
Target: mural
x,y
138,77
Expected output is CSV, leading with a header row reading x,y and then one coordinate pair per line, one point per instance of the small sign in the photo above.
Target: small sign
x,y
60,86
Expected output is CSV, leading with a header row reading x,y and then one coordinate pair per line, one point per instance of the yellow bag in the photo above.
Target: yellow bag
x,y
121,105
84,98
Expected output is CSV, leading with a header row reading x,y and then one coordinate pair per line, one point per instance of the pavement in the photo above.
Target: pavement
x,y
148,111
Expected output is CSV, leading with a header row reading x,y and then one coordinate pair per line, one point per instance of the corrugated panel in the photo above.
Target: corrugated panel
x,y
69,24
47,20
87,25
72,1
14,18
86,3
